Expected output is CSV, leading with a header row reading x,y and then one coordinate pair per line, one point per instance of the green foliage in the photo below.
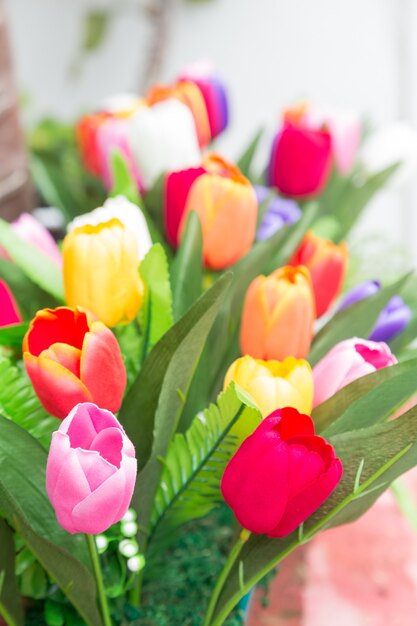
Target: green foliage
x,y
12,336
36,265
190,481
19,403
63,556
372,458
10,604
244,163
357,320
123,181
187,267
156,312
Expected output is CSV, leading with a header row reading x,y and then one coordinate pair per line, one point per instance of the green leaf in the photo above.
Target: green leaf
x,y
55,187
156,311
19,403
401,341
10,602
357,320
341,402
372,458
152,407
245,161
187,267
12,336
123,181
36,265
96,27
154,202
28,296
24,503
193,467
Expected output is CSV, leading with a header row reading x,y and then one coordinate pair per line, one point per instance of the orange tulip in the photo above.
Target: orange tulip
x,y
327,263
227,207
278,315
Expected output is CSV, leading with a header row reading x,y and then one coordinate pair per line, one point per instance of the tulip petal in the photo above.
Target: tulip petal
x,y
57,388
129,468
60,325
59,449
65,355
108,443
9,312
96,468
291,423
97,512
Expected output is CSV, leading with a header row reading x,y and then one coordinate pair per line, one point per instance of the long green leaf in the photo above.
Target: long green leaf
x,y
156,310
19,403
372,458
10,602
29,297
190,481
12,336
356,321
244,163
36,265
123,182
187,267
24,503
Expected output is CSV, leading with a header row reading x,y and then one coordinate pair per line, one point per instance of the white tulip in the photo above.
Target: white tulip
x,y
163,138
128,213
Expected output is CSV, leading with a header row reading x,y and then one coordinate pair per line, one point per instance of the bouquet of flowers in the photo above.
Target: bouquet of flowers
x,y
180,379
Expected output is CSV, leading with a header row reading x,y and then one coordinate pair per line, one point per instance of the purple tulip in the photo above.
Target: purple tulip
x,y
392,320
279,213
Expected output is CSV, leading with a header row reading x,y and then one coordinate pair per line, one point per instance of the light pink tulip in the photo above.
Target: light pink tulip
x,y
113,134
91,470
32,231
347,361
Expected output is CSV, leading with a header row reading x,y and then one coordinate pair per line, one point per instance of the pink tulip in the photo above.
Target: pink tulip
x,y
347,361
91,470
9,312
280,474
30,230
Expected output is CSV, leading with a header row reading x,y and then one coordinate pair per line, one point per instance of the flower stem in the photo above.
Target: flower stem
x,y
234,553
101,592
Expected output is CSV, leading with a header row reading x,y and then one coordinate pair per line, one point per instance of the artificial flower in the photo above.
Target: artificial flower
x,y
279,212
9,311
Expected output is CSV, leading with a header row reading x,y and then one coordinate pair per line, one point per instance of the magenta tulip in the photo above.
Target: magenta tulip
x,y
347,361
91,470
9,311
280,474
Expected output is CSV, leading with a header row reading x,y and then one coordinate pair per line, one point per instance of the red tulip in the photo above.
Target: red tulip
x,y
280,474
71,359
301,159
327,263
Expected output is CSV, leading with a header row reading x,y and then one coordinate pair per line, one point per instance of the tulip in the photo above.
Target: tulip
x,y
214,94
91,470
327,263
163,138
347,361
301,157
128,213
101,271
86,135
345,128
225,202
189,94
113,134
33,232
274,384
278,315
392,320
9,311
280,474
70,358
280,212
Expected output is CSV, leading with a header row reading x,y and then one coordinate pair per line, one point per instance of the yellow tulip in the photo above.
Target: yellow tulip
x,y
101,271
274,384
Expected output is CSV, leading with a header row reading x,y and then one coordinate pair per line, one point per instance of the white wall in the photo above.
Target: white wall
x,y
353,53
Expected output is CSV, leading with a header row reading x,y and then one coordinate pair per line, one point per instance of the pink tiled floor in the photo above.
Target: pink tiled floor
x,y
361,574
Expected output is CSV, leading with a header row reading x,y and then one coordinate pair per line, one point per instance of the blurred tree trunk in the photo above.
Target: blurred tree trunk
x,y
15,186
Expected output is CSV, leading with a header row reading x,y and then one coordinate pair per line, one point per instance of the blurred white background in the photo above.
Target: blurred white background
x,y
360,54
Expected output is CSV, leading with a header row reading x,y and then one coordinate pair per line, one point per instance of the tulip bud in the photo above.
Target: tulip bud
x,y
327,263
71,359
301,159
163,138
9,311
392,320
274,384
113,134
280,474
33,232
91,470
347,361
101,271
225,202
128,213
278,315
280,212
